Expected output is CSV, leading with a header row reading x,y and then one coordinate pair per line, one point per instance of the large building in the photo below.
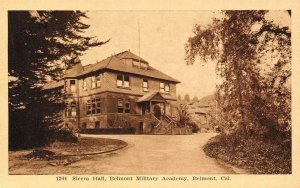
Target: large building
x,y
117,92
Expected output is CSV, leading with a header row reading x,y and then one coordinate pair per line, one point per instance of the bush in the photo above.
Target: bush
x,y
64,134
252,153
193,126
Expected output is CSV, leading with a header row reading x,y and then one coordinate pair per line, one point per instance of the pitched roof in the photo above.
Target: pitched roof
x,y
116,63
149,96
53,85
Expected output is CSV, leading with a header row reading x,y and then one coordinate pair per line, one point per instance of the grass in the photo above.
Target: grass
x,y
253,154
65,154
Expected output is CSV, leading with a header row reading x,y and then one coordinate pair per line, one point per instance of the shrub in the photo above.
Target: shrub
x,y
64,134
194,127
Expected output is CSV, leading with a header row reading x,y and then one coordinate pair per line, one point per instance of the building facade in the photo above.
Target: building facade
x,y
115,93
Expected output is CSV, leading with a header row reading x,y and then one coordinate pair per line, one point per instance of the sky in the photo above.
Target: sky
x,y
162,38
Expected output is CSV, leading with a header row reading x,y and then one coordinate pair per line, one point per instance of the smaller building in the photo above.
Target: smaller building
x,y
200,113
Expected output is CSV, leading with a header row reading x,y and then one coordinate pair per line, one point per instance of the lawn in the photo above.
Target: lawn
x,y
60,154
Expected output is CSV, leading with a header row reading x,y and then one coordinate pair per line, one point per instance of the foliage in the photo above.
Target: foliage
x,y
195,99
41,45
187,98
193,126
183,116
64,134
256,155
253,58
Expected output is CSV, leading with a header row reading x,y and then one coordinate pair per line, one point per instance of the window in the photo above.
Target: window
x,y
84,86
127,106
123,81
93,106
144,66
139,64
123,107
120,106
97,124
167,88
126,81
135,64
164,87
93,84
71,109
119,80
72,85
96,81
145,85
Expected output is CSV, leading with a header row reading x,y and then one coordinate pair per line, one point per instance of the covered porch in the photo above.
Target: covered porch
x,y
152,103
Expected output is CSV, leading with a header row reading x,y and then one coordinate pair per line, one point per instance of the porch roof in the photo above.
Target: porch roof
x,y
151,96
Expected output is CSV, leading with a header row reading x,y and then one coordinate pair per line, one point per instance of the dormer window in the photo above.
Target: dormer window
x,y
139,64
164,87
144,65
123,81
145,85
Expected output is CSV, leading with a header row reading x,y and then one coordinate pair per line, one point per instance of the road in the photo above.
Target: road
x,y
156,154
145,154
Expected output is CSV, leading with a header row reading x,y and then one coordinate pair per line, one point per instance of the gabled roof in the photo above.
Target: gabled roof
x,y
53,85
150,96
116,63
129,55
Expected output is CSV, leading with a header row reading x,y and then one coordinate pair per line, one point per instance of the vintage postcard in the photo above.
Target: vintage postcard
x,y
183,95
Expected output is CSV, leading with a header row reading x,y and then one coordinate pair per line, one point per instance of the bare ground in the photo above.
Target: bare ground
x,y
145,154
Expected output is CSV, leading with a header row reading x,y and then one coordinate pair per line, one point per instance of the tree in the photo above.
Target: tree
x,y
179,97
195,99
241,42
187,98
41,45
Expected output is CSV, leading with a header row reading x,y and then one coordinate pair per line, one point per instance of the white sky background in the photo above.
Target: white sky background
x,y
163,35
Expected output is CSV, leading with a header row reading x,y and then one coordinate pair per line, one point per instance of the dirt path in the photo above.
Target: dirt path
x,y
147,154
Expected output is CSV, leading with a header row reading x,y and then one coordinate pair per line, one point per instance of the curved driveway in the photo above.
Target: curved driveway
x,y
154,154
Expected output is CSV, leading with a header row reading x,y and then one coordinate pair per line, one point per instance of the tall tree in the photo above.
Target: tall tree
x,y
41,45
195,99
241,42
187,98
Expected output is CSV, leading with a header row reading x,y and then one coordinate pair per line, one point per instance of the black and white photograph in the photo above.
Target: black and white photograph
x,y
171,96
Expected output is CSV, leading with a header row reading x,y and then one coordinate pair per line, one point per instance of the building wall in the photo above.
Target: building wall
x,y
109,83
109,93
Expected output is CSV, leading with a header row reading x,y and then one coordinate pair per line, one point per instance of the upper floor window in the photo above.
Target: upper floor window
x,y
145,85
72,85
123,81
96,81
93,106
84,86
164,87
